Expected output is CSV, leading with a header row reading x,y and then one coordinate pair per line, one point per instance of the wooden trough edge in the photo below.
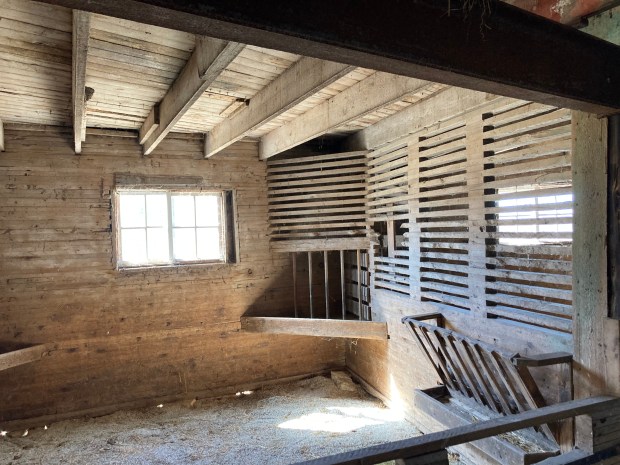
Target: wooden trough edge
x,y
316,327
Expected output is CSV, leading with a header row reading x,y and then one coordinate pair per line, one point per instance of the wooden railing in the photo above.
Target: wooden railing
x,y
430,449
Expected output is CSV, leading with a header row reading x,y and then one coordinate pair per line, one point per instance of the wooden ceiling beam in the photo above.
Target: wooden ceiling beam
x,y
303,79
504,51
81,35
376,91
209,59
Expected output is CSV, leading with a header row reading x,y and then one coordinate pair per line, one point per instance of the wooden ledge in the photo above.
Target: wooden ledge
x,y
316,327
12,357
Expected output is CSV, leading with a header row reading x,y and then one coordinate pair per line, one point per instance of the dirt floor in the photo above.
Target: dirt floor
x,y
277,425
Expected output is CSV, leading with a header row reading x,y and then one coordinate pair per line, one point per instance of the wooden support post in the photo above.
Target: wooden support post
x,y
326,267
595,336
294,255
613,214
81,35
343,292
1,136
359,283
310,284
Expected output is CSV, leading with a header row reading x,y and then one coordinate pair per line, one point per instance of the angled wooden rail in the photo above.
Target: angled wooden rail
x,y
428,449
467,367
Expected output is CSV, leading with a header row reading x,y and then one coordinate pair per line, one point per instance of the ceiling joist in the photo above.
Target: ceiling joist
x,y
305,78
376,91
209,59
81,35
506,51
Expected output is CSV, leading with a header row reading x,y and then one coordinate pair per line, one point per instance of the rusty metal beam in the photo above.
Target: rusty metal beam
x,y
563,11
506,51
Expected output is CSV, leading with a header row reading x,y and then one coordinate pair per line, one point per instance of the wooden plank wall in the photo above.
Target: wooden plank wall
x,y
497,277
127,338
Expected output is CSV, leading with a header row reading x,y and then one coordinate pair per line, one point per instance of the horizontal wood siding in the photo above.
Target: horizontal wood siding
x,y
318,202
125,337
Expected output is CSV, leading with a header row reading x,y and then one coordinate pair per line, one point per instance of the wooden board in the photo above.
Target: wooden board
x,y
13,358
316,327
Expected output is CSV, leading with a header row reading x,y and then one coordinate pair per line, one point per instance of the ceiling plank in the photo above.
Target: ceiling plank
x,y
303,79
81,35
209,59
376,91
506,51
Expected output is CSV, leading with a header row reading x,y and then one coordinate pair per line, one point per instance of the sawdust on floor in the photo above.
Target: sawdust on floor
x,y
277,425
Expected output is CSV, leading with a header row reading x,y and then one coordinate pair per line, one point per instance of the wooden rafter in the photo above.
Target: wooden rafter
x,y
376,91
300,81
81,34
507,51
209,59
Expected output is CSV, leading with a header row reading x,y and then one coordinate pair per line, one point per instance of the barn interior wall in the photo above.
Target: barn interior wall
x,y
126,338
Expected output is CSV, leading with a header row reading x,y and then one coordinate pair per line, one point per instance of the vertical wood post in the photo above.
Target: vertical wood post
x,y
597,369
343,292
1,136
326,263
613,215
476,221
413,236
294,255
359,283
310,284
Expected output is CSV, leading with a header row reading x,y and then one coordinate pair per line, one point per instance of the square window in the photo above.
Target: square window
x,y
167,227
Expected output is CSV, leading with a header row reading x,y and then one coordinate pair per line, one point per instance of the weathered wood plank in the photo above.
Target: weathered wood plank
x,y
22,356
81,37
316,327
209,59
300,81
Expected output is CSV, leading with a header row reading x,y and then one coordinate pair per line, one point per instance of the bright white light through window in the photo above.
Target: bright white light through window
x,y
160,228
535,217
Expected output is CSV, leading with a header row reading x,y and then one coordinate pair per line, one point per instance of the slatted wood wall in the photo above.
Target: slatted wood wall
x,y
489,205
127,338
467,176
318,202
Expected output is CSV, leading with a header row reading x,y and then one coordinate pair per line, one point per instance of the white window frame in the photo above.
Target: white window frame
x,y
224,234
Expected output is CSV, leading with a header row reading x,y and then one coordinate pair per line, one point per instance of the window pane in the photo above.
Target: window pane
x,y
207,210
157,245
156,210
184,243
183,210
209,244
132,211
133,246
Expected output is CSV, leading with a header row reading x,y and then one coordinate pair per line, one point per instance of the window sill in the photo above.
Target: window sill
x,y
171,267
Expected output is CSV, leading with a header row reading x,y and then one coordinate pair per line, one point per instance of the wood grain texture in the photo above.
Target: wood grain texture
x,y
131,336
316,327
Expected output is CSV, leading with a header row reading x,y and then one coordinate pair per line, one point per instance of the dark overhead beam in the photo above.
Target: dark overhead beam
x,y
506,51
